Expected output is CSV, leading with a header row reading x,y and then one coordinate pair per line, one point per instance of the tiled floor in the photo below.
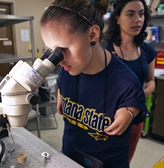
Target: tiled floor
x,y
148,151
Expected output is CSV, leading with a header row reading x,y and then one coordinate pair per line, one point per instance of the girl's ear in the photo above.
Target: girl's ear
x,y
118,20
94,33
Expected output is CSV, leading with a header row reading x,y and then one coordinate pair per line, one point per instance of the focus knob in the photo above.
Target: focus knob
x,y
33,98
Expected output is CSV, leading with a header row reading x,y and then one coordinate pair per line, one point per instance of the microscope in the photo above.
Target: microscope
x,y
18,88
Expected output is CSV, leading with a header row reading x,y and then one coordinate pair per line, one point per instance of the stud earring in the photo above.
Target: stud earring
x,y
93,43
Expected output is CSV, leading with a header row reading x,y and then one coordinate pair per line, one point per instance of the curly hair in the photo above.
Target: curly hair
x,y
78,14
113,32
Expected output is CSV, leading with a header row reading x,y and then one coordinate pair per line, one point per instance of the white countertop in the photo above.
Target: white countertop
x,y
158,72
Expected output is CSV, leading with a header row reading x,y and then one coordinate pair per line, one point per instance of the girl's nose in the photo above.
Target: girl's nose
x,y
137,18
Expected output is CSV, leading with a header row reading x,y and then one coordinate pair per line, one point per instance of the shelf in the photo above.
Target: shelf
x,y
7,20
160,43
157,16
6,58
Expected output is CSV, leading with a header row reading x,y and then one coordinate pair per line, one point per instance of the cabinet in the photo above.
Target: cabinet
x,y
7,20
158,124
158,117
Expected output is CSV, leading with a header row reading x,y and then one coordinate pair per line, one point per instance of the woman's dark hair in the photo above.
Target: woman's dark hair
x,y
113,32
78,14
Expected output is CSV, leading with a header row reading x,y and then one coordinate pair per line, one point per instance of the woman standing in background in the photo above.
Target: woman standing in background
x,y
125,38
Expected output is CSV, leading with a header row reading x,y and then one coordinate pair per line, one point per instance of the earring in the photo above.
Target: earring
x,y
93,43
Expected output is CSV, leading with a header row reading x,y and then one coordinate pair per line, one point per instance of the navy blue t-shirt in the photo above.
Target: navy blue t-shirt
x,y
138,66
86,94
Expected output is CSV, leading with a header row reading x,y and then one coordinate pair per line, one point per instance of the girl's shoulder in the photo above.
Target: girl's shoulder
x,y
147,48
148,51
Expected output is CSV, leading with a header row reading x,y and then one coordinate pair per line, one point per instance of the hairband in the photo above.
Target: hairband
x,y
73,11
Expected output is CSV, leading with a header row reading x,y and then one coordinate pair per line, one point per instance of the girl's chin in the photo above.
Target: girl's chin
x,y
73,73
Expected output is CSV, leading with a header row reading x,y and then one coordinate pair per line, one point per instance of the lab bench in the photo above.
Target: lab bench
x,y
26,142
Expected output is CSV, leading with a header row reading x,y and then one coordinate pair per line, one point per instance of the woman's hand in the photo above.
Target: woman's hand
x,y
150,86
122,119
59,103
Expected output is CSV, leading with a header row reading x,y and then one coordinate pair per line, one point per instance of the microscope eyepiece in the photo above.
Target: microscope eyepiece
x,y
56,56
46,54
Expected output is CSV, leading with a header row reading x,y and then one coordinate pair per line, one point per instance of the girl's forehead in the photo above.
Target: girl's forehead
x,y
55,32
133,5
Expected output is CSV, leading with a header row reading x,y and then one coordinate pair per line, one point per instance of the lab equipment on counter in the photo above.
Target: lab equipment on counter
x,y
18,88
34,151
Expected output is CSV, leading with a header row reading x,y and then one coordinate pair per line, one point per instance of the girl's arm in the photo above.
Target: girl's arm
x,y
122,119
150,82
